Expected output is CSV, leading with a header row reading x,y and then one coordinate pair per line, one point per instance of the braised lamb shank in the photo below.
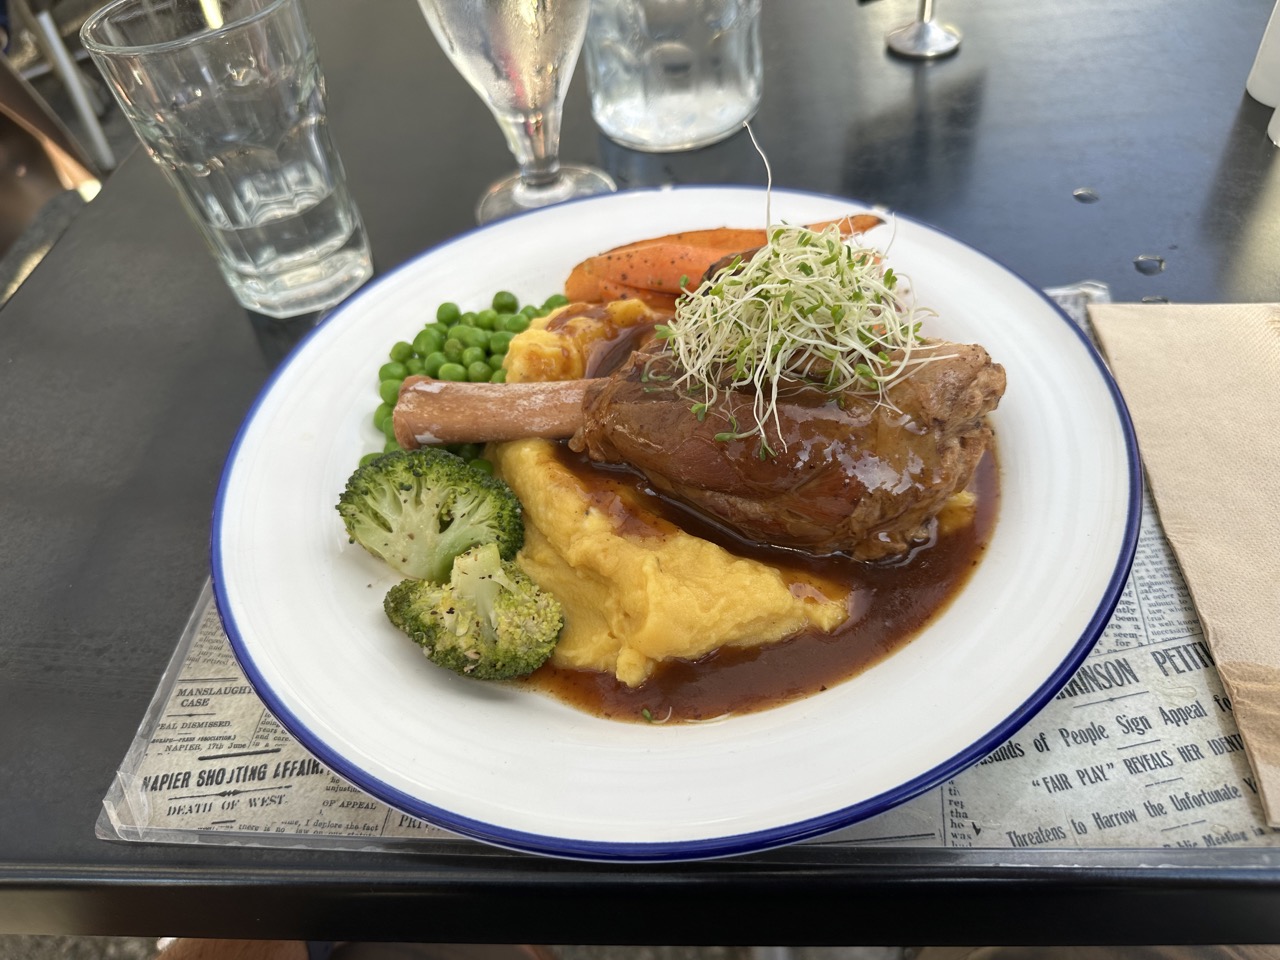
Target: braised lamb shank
x,y
847,474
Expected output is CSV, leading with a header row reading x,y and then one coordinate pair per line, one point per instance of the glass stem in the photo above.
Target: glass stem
x,y
534,140
926,11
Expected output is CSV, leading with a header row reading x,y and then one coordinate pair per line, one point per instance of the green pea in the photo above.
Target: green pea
x,y
394,370
479,372
486,319
381,414
499,376
432,363
468,451
469,318
473,355
500,341
504,301
532,311
453,348
390,446
452,371
389,391
481,464
448,312
475,337
428,341
414,365
401,351
389,428
517,323
553,301
370,457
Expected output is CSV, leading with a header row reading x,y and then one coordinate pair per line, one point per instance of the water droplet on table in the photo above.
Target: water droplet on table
x,y
1086,194
1148,264
1155,299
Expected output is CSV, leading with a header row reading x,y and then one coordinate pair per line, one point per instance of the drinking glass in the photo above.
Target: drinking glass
x,y
228,99
669,75
518,55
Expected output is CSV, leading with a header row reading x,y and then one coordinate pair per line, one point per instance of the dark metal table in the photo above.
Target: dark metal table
x,y
125,368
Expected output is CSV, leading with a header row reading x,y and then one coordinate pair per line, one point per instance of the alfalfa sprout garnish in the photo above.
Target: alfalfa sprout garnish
x,y
809,305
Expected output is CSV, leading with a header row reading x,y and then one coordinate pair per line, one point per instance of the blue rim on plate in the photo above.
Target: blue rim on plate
x,y
733,843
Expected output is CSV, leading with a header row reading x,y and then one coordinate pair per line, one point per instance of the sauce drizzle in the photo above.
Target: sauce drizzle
x,y
889,604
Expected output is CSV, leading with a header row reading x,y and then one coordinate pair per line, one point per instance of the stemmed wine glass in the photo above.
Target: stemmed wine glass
x,y
519,55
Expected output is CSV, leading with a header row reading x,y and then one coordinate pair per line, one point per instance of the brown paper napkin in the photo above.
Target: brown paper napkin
x,y
1203,386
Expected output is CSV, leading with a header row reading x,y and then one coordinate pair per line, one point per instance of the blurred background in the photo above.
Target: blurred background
x,y
121,948
61,133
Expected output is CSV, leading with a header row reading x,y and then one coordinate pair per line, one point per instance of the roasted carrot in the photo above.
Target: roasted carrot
x,y
585,285
719,238
656,270
582,285
663,267
656,300
849,225
733,239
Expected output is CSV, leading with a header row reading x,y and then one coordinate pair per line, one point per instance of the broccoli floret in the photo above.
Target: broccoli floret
x,y
419,509
490,621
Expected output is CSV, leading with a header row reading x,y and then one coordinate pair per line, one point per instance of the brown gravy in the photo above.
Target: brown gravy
x,y
890,604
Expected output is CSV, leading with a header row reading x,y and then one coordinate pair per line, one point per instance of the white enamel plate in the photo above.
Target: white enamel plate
x,y
303,608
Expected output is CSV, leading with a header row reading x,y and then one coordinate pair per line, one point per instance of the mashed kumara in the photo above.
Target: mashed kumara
x,y
636,594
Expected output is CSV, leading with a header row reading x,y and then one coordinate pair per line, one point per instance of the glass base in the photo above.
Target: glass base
x,y
924,40
511,195
305,289
656,137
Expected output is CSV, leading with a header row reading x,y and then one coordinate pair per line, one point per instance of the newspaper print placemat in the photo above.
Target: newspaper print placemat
x,y
1138,750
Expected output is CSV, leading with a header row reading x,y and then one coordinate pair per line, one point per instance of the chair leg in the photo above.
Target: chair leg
x,y
97,102
77,88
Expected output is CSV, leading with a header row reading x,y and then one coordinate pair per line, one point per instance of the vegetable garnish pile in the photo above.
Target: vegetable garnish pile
x,y
809,306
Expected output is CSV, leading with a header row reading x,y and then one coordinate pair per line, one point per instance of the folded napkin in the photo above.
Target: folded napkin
x,y
1202,383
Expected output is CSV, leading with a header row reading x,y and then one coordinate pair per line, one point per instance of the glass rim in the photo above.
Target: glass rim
x,y
115,6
